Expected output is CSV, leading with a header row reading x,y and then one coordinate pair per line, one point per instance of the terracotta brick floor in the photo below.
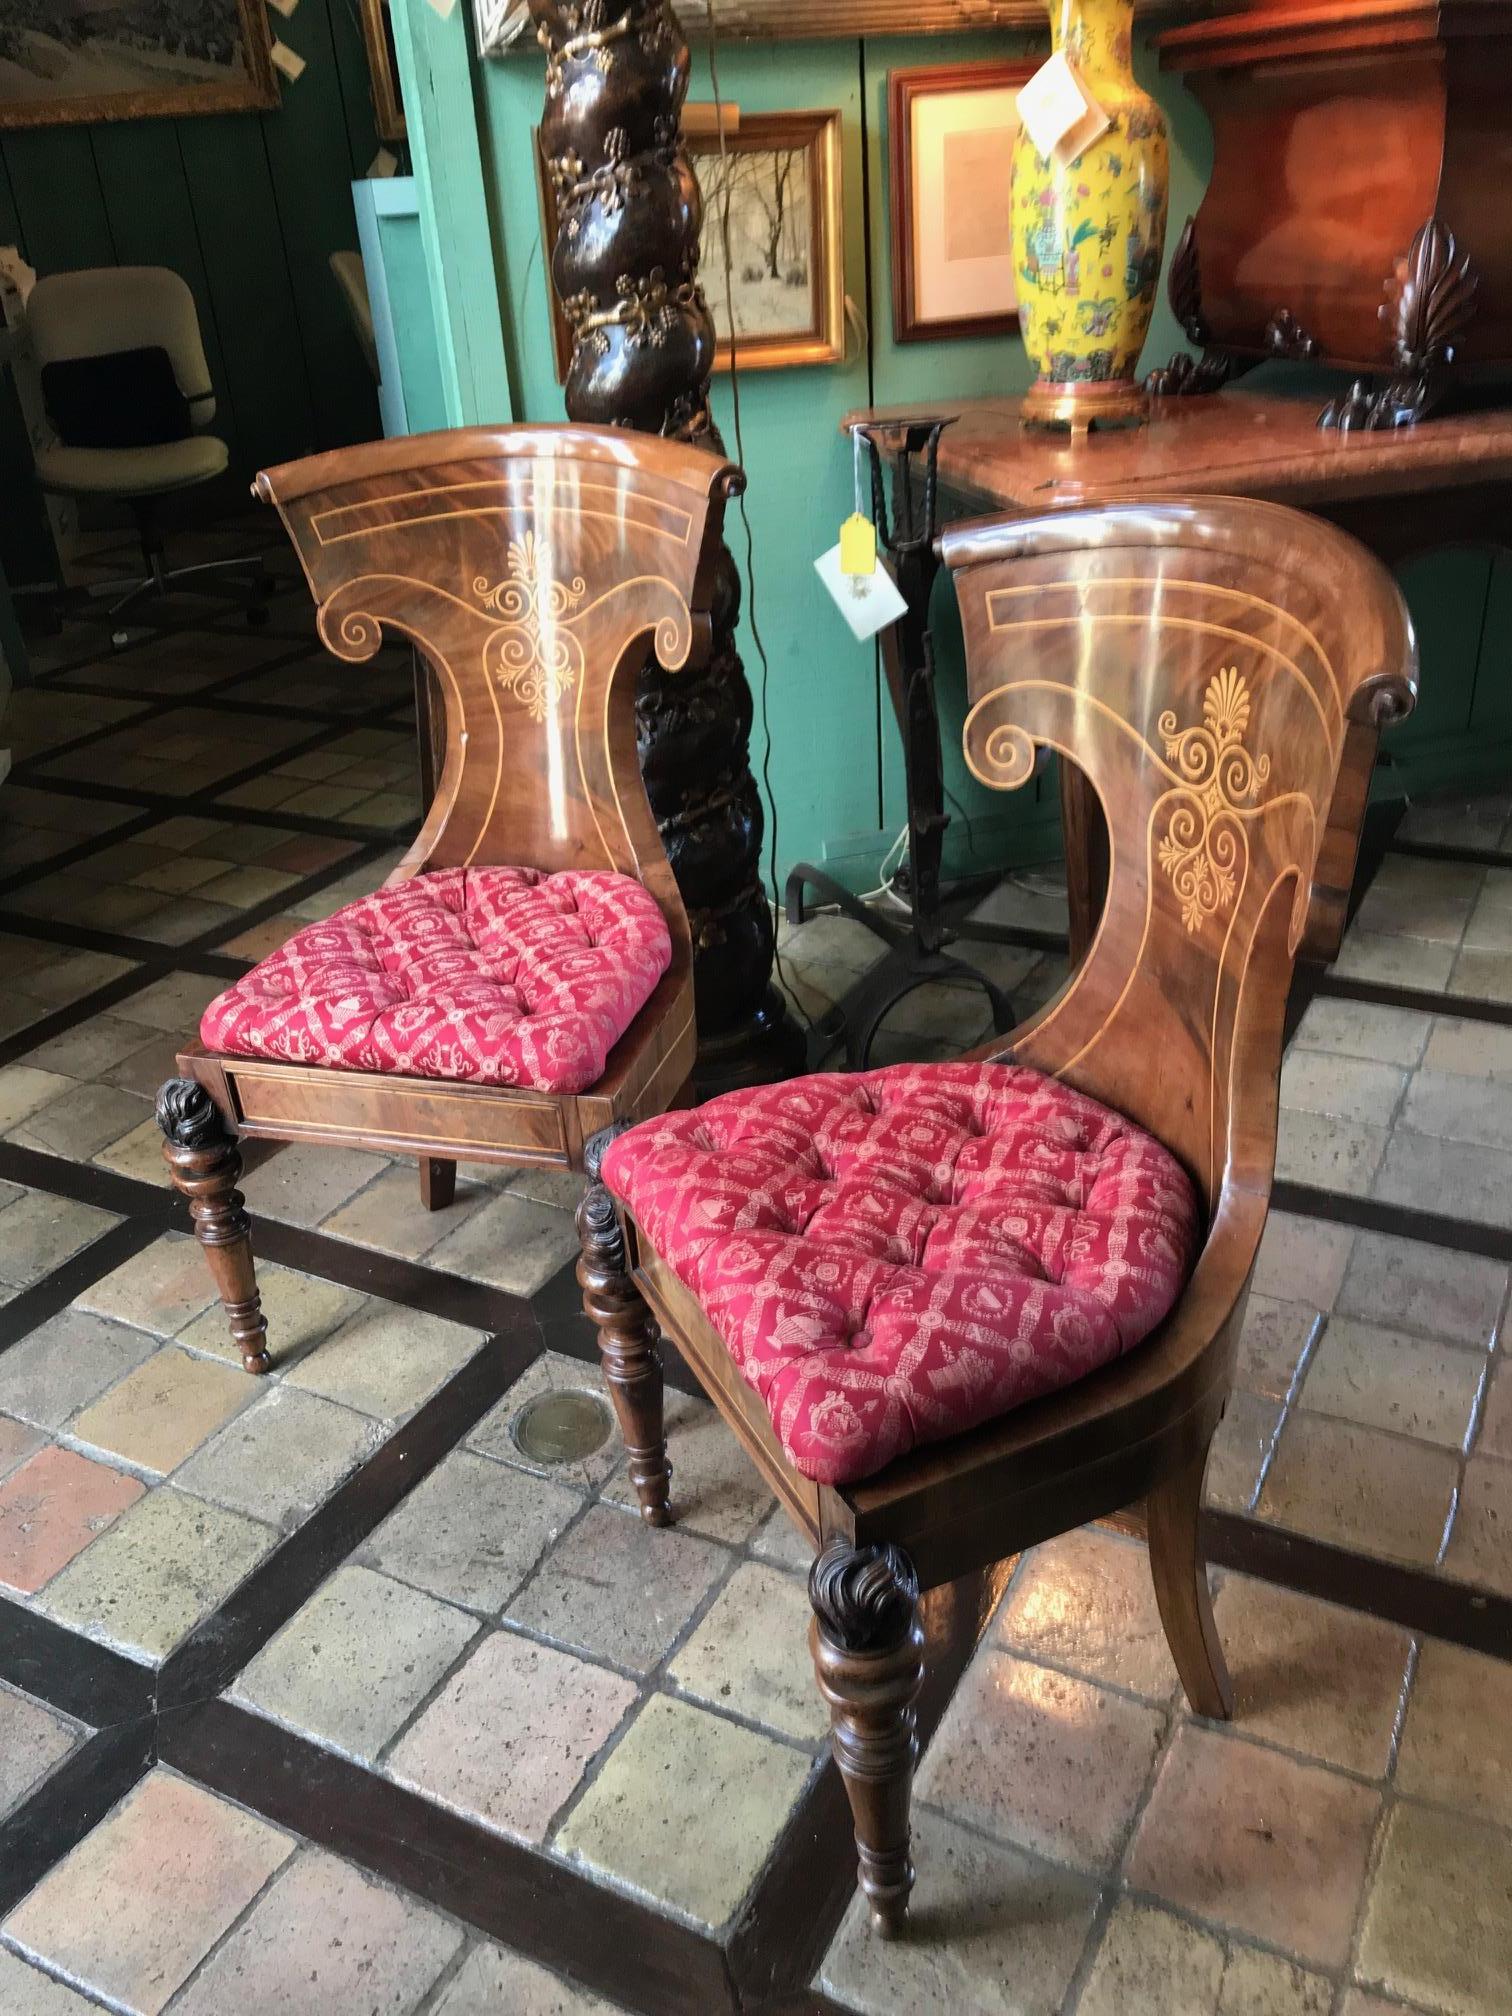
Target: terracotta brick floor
x,y
323,1693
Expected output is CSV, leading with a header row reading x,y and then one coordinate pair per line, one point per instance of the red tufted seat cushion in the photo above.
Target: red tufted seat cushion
x,y
486,976
897,1256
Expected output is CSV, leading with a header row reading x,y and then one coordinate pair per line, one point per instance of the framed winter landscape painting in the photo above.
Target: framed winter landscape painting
x,y
780,173
65,61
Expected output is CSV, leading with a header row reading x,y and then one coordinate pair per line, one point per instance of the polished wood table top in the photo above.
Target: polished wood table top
x,y
1233,443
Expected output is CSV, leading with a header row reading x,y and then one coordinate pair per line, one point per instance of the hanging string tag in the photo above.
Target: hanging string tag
x,y
858,535
1059,112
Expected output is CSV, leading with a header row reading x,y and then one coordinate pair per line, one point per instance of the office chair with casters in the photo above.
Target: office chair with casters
x,y
128,398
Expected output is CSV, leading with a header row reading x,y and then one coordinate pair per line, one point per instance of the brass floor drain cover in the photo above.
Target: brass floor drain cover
x,y
561,1427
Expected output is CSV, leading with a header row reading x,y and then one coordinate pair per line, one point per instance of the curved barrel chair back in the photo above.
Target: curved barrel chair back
x,y
1220,669
526,564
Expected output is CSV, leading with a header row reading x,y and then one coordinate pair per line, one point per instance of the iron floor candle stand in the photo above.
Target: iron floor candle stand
x,y
916,955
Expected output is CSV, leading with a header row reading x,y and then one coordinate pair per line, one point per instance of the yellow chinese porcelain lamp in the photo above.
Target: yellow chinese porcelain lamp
x,y
1089,231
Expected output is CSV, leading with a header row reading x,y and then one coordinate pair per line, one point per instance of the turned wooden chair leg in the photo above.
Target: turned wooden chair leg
x,y
205,1164
867,1645
1181,1590
438,1183
627,1338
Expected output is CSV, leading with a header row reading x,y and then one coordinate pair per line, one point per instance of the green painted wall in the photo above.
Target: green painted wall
x,y
247,207
415,334
834,762
836,769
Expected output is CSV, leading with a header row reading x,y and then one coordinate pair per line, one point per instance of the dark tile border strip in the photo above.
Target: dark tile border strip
x,y
81,850
218,1648
1412,1597
1446,850
556,1308
151,707
153,960
1426,1000
93,1683
89,1183
807,2002
141,951
529,1901
151,1211
387,1275
143,974
208,805
53,1293
1400,1221
329,731
68,1803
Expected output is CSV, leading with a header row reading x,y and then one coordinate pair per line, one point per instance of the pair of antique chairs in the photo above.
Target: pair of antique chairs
x,y
949,1310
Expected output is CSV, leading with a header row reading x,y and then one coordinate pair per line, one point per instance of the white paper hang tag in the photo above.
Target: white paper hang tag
x,y
868,602
284,59
1060,114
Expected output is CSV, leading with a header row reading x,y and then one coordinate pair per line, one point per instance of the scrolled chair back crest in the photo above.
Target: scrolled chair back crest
x,y
529,566
1220,669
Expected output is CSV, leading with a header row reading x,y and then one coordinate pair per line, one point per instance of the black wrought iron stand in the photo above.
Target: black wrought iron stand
x,y
916,956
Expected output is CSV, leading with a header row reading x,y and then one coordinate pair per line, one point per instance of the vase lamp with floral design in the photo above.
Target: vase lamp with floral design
x,y
1089,230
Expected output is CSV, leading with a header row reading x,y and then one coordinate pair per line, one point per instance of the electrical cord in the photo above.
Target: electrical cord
x,y
745,519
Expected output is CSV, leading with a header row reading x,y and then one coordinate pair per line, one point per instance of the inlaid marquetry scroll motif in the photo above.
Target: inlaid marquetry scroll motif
x,y
1204,840
534,657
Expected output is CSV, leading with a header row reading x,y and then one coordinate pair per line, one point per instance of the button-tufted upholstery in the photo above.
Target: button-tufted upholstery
x,y
488,976
897,1256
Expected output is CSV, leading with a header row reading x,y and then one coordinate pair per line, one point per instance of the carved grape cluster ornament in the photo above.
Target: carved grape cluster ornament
x,y
625,268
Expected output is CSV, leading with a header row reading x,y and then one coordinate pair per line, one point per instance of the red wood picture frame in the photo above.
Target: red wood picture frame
x,y
904,89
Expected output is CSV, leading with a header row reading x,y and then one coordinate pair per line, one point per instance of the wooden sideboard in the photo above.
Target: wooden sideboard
x,y
1453,475
1358,209
1443,482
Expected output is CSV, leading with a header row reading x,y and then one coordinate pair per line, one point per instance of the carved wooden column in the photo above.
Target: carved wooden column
x,y
626,269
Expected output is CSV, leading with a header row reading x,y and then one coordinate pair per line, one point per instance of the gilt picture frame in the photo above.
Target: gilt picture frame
x,y
151,59
950,134
784,175
383,68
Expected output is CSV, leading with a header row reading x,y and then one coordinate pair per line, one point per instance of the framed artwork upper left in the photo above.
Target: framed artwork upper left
x,y
383,68
67,62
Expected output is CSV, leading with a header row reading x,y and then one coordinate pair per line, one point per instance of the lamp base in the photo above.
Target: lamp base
x,y
1110,402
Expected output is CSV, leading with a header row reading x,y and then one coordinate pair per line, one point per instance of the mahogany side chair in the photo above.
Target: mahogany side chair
x,y
954,1310
524,977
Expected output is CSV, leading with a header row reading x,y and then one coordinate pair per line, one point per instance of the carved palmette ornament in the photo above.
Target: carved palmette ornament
x,y
533,655
1203,845
625,267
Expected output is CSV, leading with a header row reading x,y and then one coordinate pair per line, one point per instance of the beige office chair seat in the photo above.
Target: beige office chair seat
x,y
100,312
131,472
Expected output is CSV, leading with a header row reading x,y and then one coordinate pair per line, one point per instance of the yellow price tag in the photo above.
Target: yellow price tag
x,y
858,546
